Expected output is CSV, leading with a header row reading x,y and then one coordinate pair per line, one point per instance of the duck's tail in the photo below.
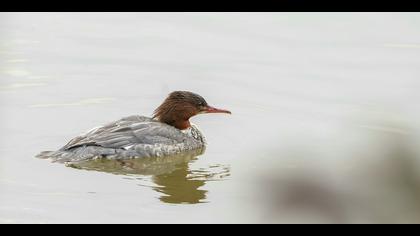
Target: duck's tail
x,y
56,156
75,155
45,155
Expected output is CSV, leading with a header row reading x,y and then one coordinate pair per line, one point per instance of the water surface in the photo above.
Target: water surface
x,y
328,91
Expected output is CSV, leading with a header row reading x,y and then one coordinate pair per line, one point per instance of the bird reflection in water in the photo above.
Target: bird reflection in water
x,y
172,175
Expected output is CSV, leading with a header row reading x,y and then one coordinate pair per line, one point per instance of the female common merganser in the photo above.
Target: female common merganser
x,y
168,132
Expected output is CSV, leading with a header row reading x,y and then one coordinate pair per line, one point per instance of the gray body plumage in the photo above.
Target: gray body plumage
x,y
128,138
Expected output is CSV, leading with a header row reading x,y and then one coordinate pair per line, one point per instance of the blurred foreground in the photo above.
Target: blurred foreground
x,y
370,176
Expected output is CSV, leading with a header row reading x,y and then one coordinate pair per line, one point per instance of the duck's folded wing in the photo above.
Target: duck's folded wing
x,y
127,132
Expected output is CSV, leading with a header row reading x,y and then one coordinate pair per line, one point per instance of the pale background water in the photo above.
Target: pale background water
x,y
330,91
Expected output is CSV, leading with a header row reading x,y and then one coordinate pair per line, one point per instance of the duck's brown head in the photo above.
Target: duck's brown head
x,y
180,106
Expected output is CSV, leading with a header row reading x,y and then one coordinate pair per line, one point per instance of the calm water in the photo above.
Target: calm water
x,y
318,99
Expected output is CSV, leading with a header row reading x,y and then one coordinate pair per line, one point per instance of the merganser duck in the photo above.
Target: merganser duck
x,y
168,132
